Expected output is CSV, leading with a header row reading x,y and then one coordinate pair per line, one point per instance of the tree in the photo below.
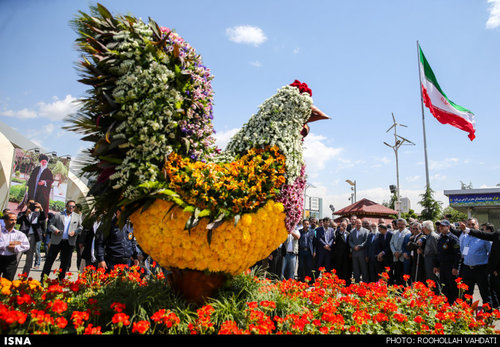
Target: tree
x,y
431,207
410,214
456,216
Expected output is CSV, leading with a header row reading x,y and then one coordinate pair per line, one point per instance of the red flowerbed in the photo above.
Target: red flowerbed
x,y
126,301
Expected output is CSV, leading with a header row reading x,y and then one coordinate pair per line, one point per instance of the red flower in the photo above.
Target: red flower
x,y
61,322
120,319
418,319
302,87
166,317
91,330
118,306
59,306
140,327
78,317
229,327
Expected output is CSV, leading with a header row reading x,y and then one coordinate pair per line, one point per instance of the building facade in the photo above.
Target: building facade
x,y
483,204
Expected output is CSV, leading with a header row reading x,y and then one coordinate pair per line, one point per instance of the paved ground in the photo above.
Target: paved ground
x,y
36,273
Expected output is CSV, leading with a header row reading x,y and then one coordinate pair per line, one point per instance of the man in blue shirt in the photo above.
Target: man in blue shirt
x,y
475,254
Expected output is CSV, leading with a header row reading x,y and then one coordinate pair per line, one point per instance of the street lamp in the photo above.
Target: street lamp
x,y
353,188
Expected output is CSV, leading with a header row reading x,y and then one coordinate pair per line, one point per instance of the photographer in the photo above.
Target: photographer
x,y
32,223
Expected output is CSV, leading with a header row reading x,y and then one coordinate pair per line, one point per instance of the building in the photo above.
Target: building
x,y
483,204
405,205
366,210
313,207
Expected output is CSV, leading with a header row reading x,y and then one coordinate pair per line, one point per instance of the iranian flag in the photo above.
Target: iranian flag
x,y
445,110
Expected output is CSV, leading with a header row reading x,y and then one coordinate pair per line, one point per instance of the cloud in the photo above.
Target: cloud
x,y
23,114
256,63
494,18
413,178
317,154
246,34
443,164
56,110
222,137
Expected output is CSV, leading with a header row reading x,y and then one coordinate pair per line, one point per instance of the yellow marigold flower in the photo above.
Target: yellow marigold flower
x,y
261,232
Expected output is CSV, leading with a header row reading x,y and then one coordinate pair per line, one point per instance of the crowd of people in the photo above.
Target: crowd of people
x,y
360,251
60,235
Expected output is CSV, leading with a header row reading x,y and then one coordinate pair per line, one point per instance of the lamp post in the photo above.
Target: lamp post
x,y
353,188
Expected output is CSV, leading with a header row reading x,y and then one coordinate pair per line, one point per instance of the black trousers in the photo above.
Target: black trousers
x,y
448,283
8,266
495,289
477,275
66,251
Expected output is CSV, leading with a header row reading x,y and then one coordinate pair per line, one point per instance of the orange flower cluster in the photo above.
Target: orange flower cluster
x,y
326,306
239,186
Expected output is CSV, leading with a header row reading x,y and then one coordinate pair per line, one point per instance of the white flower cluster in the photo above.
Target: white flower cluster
x,y
279,122
147,105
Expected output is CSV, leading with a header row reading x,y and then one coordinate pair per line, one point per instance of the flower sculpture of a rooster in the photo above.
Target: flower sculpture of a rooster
x,y
202,213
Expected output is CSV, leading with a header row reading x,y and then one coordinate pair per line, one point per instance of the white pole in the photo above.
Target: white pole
x,y
427,186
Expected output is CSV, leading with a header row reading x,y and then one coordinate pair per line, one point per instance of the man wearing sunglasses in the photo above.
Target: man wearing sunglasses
x,y
65,227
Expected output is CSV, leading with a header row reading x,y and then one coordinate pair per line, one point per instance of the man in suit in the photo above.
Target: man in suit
x,y
397,241
429,253
342,253
323,245
40,183
306,251
65,227
32,223
383,251
371,255
357,242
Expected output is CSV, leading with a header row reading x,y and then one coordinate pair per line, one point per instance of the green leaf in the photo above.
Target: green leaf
x,y
111,159
104,11
209,236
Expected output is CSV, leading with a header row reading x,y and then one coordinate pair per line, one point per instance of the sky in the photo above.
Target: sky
x,y
358,57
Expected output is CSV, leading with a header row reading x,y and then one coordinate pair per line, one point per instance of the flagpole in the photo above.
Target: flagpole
x,y
423,120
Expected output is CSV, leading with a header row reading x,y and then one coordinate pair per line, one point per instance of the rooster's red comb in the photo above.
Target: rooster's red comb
x,y
302,87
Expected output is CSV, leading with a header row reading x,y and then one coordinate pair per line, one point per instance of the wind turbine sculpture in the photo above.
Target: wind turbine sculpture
x,y
398,142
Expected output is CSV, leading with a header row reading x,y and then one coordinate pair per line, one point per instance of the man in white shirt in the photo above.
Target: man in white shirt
x,y
12,243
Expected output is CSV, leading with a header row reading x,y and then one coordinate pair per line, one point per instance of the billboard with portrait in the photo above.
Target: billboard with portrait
x,y
42,177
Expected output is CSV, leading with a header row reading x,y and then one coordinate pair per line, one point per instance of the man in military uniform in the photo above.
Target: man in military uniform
x,y
119,247
447,261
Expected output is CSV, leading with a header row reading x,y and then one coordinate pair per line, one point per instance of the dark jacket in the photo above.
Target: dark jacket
x,y
341,244
36,220
119,244
383,244
449,255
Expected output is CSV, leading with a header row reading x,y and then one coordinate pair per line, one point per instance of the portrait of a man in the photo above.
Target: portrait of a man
x,y
40,183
